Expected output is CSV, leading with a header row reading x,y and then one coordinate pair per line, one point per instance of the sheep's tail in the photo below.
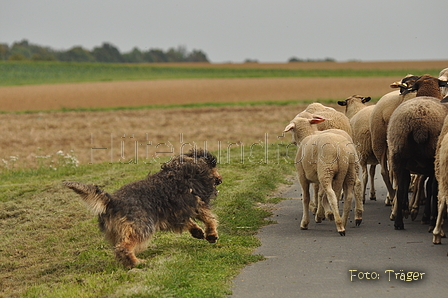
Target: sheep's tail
x,y
95,198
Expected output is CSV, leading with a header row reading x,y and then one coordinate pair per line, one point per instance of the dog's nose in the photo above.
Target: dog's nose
x,y
218,177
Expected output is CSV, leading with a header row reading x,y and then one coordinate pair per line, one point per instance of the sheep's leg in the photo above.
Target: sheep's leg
x,y
372,183
348,191
326,207
417,195
386,177
359,206
365,178
333,200
430,211
324,210
320,213
438,232
314,205
306,204
433,199
403,180
393,213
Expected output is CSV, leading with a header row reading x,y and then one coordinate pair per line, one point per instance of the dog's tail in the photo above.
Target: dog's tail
x,y
95,198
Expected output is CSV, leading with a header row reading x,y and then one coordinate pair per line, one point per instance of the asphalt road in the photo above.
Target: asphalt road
x,y
372,260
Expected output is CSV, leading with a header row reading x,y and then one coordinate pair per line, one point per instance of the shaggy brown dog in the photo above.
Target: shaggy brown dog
x,y
167,201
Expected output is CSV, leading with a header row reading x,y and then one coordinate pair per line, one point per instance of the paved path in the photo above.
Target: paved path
x,y
317,262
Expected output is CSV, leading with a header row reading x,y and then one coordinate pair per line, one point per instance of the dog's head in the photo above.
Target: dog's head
x,y
203,156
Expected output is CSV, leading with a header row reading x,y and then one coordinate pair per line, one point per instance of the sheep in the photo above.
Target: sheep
x,y
443,76
412,135
326,158
335,119
359,115
379,120
441,168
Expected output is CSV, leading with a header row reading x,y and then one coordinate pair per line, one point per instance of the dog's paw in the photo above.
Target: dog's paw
x,y
211,238
197,233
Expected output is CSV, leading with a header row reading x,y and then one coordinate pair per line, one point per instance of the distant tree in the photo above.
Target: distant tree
x,y
24,50
134,56
295,59
17,57
76,54
251,61
4,51
155,55
107,53
177,55
197,56
21,50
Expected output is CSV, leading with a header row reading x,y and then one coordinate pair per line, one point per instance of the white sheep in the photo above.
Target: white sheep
x,y
412,135
441,168
379,120
335,119
328,158
359,115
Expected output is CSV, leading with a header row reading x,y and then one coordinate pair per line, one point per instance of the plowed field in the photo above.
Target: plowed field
x,y
161,92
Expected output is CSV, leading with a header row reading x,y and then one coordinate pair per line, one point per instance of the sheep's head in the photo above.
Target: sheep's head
x,y
405,83
302,127
354,98
443,76
426,85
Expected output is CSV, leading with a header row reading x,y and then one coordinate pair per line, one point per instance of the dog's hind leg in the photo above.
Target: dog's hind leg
x,y
125,248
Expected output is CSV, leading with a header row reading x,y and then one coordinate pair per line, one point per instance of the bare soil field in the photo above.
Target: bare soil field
x,y
166,92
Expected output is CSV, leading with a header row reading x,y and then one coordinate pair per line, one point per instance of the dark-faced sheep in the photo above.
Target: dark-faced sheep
x,y
412,135
329,159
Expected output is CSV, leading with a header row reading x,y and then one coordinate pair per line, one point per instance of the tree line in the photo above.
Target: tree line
x,y
107,52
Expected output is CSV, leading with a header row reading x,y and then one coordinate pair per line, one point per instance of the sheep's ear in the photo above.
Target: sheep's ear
x,y
316,119
289,127
366,99
342,103
395,85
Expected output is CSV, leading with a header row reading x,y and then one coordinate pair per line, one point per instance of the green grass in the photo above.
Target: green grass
x,y
27,73
173,106
50,245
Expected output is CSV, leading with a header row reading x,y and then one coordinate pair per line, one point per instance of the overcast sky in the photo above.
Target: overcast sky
x,y
235,30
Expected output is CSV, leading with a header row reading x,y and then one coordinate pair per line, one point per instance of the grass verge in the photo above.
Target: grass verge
x,y
50,245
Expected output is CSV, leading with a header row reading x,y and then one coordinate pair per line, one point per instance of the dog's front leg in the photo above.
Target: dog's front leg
x,y
195,230
209,219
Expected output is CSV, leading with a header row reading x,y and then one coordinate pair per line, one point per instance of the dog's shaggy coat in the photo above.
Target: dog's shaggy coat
x,y
167,201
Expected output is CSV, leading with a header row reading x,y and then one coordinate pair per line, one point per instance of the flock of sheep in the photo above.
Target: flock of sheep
x,y
406,132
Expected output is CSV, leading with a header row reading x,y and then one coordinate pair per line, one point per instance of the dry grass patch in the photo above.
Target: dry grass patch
x,y
34,139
